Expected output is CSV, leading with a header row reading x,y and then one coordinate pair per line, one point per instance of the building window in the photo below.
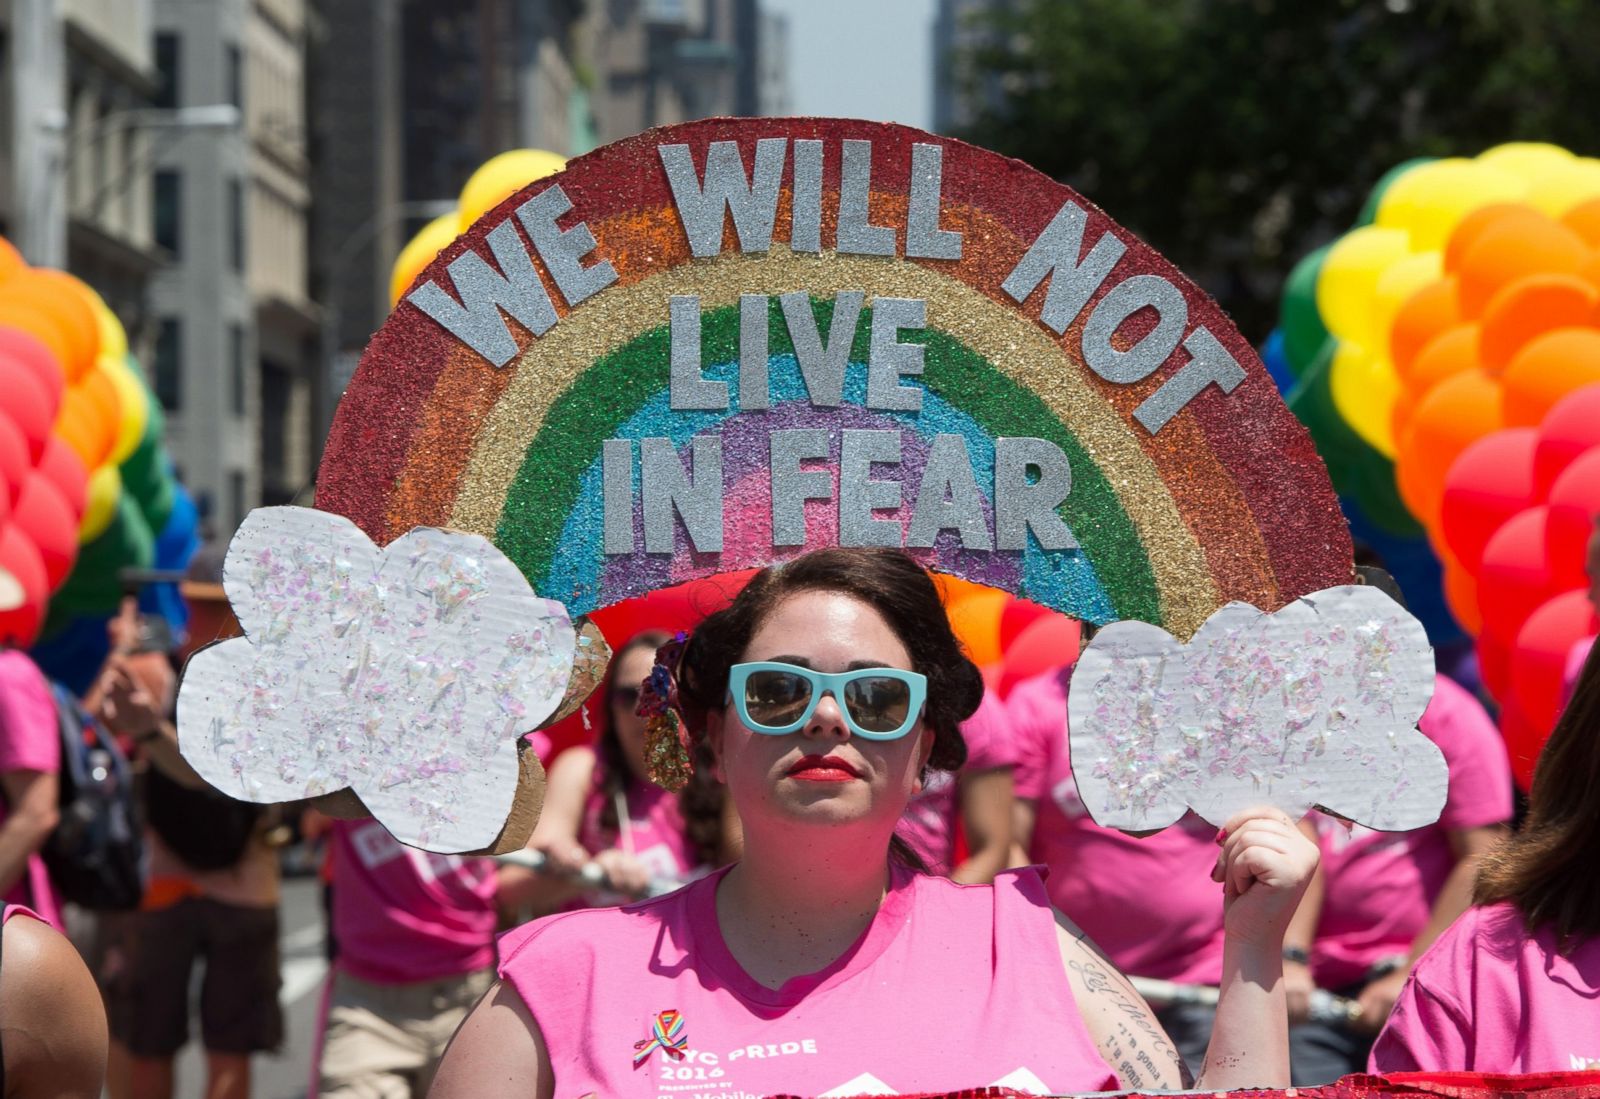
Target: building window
x,y
236,340
236,496
168,209
169,364
235,76
167,70
236,224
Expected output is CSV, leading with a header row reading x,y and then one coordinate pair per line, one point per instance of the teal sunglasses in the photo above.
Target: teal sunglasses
x,y
878,703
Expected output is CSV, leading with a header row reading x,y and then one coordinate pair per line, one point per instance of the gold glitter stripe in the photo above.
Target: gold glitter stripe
x,y
1015,345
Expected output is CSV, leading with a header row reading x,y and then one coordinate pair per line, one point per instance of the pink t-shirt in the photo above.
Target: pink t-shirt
x,y
1381,885
401,915
930,818
1148,902
950,987
30,740
1488,997
8,910
654,831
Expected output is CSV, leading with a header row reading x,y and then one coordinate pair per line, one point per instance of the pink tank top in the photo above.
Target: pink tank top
x,y
950,987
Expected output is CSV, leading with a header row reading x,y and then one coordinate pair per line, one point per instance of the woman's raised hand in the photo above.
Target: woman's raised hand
x,y
1264,867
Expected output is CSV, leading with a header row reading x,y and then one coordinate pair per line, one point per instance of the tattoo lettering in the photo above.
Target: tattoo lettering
x,y
1101,981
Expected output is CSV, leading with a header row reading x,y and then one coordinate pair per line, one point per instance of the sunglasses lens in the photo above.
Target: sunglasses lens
x,y
878,703
628,696
775,698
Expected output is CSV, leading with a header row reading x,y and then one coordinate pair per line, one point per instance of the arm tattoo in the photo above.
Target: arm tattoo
x,y
1140,1045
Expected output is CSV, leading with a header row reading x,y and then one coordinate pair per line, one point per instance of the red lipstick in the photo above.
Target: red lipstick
x,y
823,769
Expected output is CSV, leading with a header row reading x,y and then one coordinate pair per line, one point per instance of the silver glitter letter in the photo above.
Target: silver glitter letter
x,y
563,252
1211,365
860,495
888,358
688,387
476,320
856,235
1020,505
666,488
752,352
822,367
805,228
754,208
1058,253
616,485
949,473
1145,357
793,486
924,238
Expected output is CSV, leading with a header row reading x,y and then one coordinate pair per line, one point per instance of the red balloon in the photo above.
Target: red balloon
x,y
1523,743
18,556
29,351
14,461
1574,503
66,472
1017,616
1569,429
1051,642
680,607
1488,484
1515,576
43,515
1494,666
1539,656
28,404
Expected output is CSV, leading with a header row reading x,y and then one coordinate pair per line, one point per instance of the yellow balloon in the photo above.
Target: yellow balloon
x,y
1565,186
1527,160
1398,282
113,337
1429,201
501,176
419,251
1364,390
1350,277
105,486
133,407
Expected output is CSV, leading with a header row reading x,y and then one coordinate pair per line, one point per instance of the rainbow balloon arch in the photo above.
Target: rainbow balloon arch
x,y
87,490
1445,355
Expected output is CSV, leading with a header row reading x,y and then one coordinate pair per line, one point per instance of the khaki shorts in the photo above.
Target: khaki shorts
x,y
385,1041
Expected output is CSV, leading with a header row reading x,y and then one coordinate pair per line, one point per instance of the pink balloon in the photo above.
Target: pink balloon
x,y
1539,656
66,472
1574,502
43,515
1051,642
1490,482
15,462
30,352
1515,575
18,556
1568,429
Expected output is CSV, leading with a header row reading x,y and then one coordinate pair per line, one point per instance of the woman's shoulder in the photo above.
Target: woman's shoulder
x,y
1483,939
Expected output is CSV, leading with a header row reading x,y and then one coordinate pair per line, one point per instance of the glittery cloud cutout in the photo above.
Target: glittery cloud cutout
x,y
1313,705
405,674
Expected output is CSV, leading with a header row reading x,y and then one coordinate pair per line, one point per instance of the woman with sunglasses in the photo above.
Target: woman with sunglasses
x,y
819,963
601,807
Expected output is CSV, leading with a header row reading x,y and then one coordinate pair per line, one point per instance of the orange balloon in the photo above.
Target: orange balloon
x,y
58,295
1424,315
42,326
1478,222
1461,595
975,618
82,427
1547,369
1508,250
1584,219
11,260
1528,308
1456,412
1452,352
103,391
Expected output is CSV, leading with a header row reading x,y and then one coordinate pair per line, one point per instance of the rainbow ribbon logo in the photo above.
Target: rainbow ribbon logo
x,y
666,1034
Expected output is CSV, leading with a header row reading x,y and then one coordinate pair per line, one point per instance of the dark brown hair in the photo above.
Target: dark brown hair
x,y
887,581
1547,868
700,802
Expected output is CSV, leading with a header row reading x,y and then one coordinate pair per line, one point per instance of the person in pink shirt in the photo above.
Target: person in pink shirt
x,y
978,799
1101,878
600,806
1514,984
30,760
52,1024
1381,898
819,963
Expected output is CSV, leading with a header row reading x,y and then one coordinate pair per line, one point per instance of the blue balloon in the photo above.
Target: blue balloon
x,y
74,654
175,545
1275,357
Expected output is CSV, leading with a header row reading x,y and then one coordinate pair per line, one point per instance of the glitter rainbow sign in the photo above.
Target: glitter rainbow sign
x,y
721,344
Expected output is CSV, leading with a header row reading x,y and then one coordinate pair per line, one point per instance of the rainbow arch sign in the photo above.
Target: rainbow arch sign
x,y
721,344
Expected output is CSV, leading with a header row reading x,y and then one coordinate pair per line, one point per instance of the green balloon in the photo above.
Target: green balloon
x,y
95,586
1303,330
1369,210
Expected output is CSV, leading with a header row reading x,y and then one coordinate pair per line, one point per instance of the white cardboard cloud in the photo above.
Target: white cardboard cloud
x,y
1313,705
406,674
